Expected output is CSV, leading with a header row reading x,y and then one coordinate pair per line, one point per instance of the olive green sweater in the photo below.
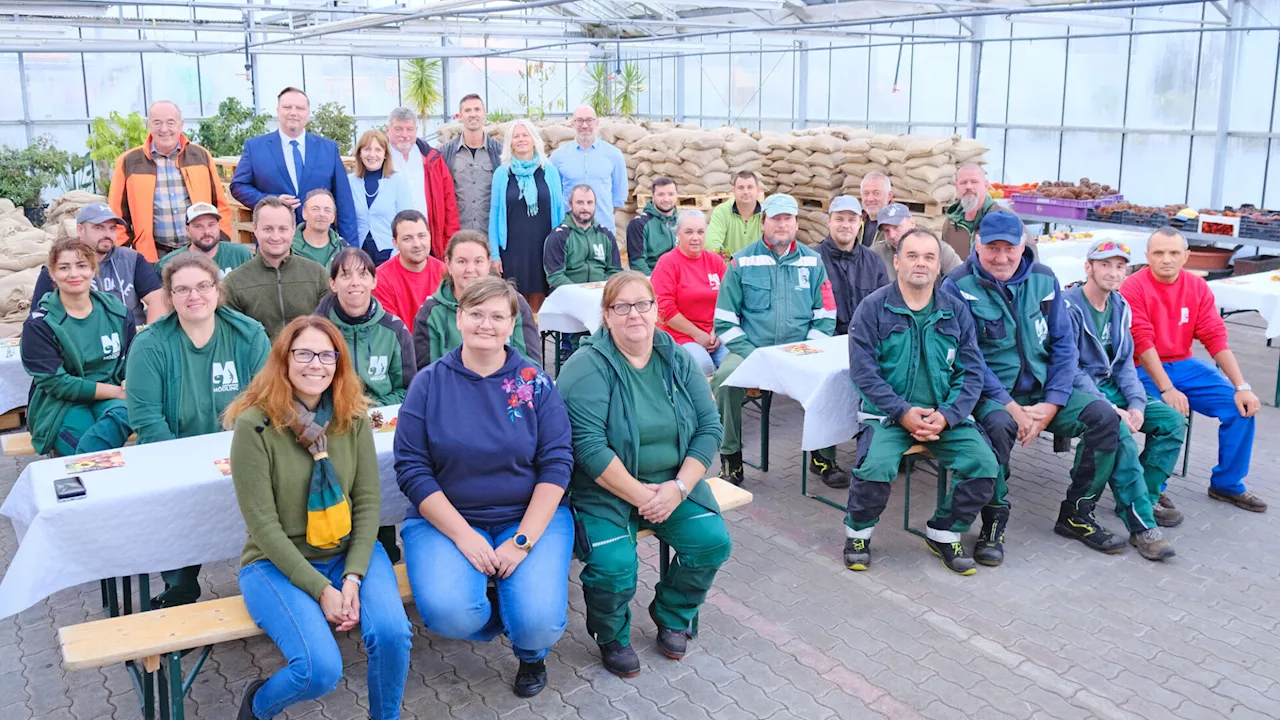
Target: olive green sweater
x,y
272,477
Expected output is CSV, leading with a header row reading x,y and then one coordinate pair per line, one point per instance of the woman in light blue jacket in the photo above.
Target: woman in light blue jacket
x,y
378,194
527,202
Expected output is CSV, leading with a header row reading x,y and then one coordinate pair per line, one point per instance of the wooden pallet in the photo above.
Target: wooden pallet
x,y
241,221
688,202
226,166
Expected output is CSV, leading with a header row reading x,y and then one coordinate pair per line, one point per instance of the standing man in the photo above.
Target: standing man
x,y
291,162
1102,323
276,286
472,157
411,275
154,184
895,222
854,272
775,292
877,193
653,232
205,236
122,271
1025,337
592,161
430,182
966,213
1170,309
735,225
315,239
915,362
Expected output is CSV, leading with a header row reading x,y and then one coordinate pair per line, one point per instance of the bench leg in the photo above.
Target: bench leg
x,y
908,466
804,484
1186,446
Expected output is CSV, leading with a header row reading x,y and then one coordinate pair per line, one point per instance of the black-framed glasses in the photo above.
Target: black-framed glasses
x,y
642,307
304,356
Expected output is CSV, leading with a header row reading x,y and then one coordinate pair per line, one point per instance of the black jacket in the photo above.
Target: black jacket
x,y
854,275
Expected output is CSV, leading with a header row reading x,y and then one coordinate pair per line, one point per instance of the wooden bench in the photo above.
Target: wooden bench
x,y
15,444
156,640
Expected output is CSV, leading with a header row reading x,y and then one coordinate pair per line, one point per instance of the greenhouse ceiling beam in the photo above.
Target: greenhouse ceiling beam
x,y
214,5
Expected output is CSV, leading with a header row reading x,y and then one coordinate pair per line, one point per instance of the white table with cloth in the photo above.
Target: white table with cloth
x,y
572,309
15,383
1259,292
168,506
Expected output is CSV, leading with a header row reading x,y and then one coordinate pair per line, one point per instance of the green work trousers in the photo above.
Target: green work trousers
x,y
729,400
93,427
610,568
1165,429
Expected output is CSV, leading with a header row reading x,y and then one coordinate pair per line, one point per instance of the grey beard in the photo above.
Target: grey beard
x,y
969,204
777,246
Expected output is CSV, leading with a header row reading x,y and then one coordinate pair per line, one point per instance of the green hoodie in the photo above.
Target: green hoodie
x,y
323,255
601,403
227,257
380,348
573,255
67,358
649,237
435,329
160,397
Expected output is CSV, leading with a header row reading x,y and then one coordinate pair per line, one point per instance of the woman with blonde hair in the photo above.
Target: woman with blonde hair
x,y
306,478
527,201
378,194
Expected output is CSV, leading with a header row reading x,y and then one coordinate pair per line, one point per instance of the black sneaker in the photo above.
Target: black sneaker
x,y
953,556
989,550
857,553
731,467
673,643
531,678
833,476
1080,524
246,703
619,659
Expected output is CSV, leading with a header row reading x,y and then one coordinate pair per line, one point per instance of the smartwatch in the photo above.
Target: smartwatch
x,y
522,542
1243,386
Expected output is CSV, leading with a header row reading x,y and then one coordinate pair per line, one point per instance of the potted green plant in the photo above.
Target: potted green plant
x,y
109,137
331,120
223,135
422,89
26,172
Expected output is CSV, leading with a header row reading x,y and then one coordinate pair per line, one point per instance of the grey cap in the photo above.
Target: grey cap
x,y
97,213
893,214
847,203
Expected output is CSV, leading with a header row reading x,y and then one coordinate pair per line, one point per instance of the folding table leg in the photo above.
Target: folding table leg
x,y
804,484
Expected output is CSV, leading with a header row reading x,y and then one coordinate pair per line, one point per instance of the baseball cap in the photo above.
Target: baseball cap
x,y
893,214
201,208
780,204
1000,225
847,203
1104,249
97,213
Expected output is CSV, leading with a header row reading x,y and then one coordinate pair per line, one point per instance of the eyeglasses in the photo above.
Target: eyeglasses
x,y
476,317
641,307
1110,245
585,121
182,291
304,356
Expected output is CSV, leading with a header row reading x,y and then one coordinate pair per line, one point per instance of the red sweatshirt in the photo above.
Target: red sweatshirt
x,y
688,287
402,292
1169,316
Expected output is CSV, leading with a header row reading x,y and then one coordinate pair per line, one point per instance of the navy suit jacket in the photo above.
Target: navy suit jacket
x,y
262,172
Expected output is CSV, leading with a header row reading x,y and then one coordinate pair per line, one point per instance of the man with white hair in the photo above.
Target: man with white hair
x,y
964,216
430,182
592,161
473,169
876,192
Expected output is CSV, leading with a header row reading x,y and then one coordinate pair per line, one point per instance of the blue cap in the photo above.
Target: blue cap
x,y
97,213
780,204
893,214
846,203
1000,225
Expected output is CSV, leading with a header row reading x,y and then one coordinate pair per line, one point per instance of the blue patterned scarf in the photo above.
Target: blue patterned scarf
x,y
524,170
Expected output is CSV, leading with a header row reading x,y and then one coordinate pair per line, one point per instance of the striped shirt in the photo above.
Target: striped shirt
x,y
171,200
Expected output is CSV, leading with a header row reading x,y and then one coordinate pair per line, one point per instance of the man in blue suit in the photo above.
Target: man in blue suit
x,y
292,162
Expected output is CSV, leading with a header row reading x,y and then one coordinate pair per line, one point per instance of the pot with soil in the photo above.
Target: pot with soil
x,y
34,213
1209,258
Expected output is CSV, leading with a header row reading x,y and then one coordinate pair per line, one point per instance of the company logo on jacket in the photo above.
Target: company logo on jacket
x,y
111,346
225,378
378,367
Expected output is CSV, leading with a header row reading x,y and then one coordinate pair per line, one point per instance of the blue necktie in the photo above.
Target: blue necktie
x,y
297,166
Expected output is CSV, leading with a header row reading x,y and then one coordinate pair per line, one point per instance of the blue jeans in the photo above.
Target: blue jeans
x,y
294,621
1210,393
707,362
450,593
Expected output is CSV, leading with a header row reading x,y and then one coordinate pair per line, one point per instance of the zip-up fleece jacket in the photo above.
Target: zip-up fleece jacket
x,y
770,300
597,391
1023,330
323,256
381,350
52,355
728,232
854,275
649,237
573,255
155,364
435,329
442,199
884,355
274,296
1096,367
133,192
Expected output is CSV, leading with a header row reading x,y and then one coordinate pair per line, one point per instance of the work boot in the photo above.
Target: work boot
x,y
619,659
531,678
1080,524
1166,501
1166,516
246,703
833,476
1152,545
1245,500
731,467
953,556
857,553
673,643
989,550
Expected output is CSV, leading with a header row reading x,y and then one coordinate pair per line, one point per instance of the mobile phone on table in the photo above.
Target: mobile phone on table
x,y
71,488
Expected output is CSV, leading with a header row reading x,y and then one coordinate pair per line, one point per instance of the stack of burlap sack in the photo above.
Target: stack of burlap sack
x,y
805,163
922,168
60,217
23,251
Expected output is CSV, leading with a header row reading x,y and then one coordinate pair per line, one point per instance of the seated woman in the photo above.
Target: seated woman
x,y
187,368
687,283
378,193
645,429
74,345
306,478
487,489
435,329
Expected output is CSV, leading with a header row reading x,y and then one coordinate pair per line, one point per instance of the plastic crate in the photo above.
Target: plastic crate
x,y
1058,207
1259,229
1220,225
1095,216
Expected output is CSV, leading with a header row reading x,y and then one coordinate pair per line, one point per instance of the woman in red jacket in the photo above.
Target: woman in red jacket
x,y
687,283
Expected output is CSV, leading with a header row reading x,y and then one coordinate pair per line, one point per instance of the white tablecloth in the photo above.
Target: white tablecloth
x,y
819,382
168,507
572,309
1260,292
15,383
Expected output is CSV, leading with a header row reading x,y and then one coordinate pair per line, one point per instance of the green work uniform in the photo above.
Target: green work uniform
x,y
620,413
649,237
435,328
381,350
227,257
323,255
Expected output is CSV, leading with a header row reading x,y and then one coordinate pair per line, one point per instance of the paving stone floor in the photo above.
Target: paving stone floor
x,y
1058,632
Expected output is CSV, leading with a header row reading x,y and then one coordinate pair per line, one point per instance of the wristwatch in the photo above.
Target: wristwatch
x,y
1243,386
684,491
522,542
353,578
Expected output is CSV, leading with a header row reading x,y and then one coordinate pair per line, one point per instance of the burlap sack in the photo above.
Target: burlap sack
x,y
24,250
15,294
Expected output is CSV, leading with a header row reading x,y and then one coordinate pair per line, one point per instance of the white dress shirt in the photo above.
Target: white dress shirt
x,y
415,173
287,148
